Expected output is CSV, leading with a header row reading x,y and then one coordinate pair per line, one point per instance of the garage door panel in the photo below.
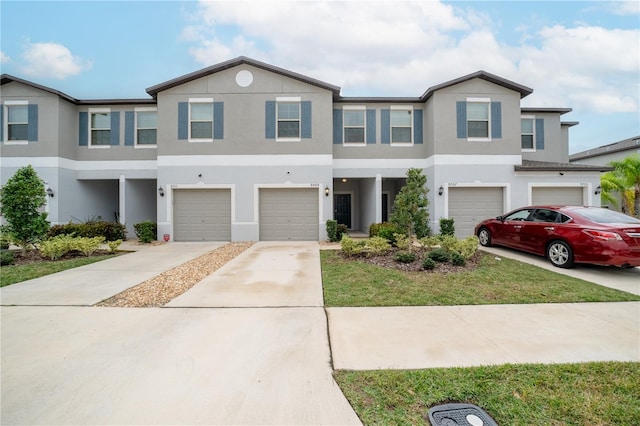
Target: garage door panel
x,y
202,215
469,206
561,196
289,214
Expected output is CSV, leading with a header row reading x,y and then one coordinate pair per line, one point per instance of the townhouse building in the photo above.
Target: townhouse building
x,y
245,150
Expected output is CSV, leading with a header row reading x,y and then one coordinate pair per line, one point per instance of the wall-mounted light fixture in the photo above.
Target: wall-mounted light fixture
x,y
344,180
161,191
326,191
50,192
561,174
440,191
598,190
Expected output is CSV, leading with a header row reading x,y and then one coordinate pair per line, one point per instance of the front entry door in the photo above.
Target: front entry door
x,y
342,209
385,207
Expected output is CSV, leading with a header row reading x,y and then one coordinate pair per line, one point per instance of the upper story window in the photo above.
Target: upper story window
x,y
401,125
528,133
146,126
100,127
18,122
354,124
201,120
288,118
478,119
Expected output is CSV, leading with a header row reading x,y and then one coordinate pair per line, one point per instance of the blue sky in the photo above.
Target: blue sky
x,y
582,55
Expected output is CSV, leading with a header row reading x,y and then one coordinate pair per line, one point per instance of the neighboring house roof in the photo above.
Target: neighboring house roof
x,y
6,78
623,145
545,166
483,75
560,111
569,123
154,90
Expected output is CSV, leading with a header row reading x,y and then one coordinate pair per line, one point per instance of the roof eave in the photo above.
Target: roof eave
x,y
7,78
492,78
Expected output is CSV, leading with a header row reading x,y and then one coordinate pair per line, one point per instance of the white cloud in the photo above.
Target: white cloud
x,y
381,48
51,60
627,7
4,58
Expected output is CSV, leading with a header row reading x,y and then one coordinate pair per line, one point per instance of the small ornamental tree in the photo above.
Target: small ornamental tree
x,y
410,213
22,197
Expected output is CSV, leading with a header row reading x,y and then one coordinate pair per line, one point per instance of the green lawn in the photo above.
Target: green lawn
x,y
12,274
598,393
348,282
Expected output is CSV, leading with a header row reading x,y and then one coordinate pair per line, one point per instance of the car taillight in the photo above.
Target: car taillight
x,y
602,235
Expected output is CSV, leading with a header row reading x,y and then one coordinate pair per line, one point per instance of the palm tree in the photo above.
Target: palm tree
x,y
628,171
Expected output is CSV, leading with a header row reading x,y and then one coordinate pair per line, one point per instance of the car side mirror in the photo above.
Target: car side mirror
x,y
500,218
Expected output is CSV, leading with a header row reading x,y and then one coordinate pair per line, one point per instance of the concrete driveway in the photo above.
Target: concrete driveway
x,y
204,365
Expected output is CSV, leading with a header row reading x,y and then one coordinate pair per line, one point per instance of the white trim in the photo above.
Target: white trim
x,y
533,141
91,111
20,142
401,107
245,160
122,211
5,122
189,122
136,110
354,107
487,102
362,108
21,102
200,100
479,100
379,163
287,185
288,99
65,163
474,160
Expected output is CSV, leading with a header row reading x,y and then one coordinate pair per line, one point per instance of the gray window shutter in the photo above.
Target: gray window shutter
x,y
270,120
115,128
461,119
417,126
337,126
83,129
385,126
32,126
371,126
1,123
218,120
539,133
305,118
183,120
496,120
128,128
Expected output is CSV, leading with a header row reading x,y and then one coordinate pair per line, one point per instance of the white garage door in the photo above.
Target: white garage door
x,y
289,214
559,196
202,214
469,206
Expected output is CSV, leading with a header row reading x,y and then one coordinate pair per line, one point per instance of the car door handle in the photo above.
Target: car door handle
x,y
517,226
549,228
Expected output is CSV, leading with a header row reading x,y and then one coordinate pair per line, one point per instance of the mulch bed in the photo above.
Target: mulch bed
x,y
386,260
34,256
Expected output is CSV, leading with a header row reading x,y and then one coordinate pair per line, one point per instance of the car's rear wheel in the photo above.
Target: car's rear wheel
x,y
560,254
484,236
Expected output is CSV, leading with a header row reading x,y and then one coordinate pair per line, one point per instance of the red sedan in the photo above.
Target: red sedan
x,y
567,235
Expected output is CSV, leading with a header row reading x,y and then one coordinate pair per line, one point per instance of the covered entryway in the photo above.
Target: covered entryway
x,y
470,205
289,214
202,214
559,196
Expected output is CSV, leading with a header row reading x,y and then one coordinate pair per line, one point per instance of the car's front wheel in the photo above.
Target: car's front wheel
x,y
560,254
484,236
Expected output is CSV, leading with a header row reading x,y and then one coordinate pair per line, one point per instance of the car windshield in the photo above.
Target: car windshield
x,y
605,216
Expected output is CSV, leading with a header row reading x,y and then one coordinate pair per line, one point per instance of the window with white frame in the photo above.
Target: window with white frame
x,y
353,118
201,120
146,126
528,133
478,119
288,119
401,125
17,113
100,127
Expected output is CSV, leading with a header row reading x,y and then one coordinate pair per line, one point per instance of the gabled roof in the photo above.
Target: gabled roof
x,y
623,145
492,78
241,60
6,78
545,166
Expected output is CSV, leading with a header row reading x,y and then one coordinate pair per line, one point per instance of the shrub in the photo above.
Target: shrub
x,y
467,247
351,247
404,256
146,231
56,247
448,242
410,212
457,259
402,241
342,230
113,245
6,257
111,231
430,241
447,227
439,255
5,242
428,264
376,245
368,247
332,230
385,230
87,246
